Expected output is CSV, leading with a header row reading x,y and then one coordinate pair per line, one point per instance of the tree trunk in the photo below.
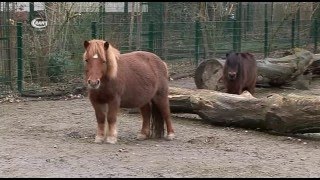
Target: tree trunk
x,y
203,21
139,26
131,26
281,114
314,68
271,71
165,31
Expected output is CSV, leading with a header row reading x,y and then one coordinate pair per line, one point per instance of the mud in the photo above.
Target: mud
x,y
46,138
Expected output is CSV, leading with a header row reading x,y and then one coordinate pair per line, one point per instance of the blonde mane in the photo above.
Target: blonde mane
x,y
110,56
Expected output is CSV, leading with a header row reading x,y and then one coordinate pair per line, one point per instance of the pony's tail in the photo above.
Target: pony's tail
x,y
157,122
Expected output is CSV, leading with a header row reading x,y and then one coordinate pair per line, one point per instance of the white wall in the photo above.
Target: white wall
x,y
81,6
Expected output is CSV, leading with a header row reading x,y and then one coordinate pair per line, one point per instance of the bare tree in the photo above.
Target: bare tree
x,y
165,30
203,16
49,40
132,15
290,10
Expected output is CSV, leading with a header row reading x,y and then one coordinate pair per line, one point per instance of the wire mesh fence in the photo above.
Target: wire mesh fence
x,y
47,60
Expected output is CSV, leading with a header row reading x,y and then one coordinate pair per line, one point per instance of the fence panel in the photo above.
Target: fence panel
x,y
49,60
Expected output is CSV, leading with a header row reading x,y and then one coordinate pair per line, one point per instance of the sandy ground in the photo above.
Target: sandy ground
x,y
55,139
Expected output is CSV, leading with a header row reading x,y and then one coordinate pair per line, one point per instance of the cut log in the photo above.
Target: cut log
x,y
271,71
314,68
288,114
180,76
208,74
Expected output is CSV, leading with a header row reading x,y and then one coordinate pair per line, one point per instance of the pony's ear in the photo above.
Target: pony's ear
x,y
106,45
86,44
228,53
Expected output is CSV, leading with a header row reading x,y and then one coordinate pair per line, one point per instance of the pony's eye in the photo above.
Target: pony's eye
x,y
86,60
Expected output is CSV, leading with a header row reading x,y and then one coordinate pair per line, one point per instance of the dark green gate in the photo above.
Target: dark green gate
x,y
6,50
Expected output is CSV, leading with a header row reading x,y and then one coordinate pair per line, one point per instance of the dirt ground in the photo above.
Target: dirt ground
x,y
54,138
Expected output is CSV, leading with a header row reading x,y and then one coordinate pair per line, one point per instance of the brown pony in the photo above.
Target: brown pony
x,y
132,80
240,73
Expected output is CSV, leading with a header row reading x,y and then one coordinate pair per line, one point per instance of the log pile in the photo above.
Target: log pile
x,y
271,71
284,114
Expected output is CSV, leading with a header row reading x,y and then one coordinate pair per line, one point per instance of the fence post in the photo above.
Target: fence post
x,y
102,12
126,9
239,20
234,35
151,37
197,42
19,56
94,29
315,35
292,33
247,18
31,13
266,39
298,27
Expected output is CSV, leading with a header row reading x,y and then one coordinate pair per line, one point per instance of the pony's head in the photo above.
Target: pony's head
x,y
232,65
100,61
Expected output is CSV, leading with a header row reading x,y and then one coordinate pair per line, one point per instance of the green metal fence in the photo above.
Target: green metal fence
x,y
49,60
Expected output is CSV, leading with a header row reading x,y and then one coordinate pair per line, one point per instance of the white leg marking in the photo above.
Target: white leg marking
x,y
111,139
141,136
99,139
170,137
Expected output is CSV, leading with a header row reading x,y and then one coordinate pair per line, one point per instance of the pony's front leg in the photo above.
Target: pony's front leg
x,y
100,111
112,122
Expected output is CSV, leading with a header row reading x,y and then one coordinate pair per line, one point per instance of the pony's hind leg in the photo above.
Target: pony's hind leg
x,y
161,100
100,112
146,114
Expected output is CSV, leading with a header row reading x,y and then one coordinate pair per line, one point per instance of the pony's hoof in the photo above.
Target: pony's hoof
x,y
141,136
170,137
99,139
111,140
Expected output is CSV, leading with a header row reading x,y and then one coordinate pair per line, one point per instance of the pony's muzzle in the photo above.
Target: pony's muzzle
x,y
94,84
232,75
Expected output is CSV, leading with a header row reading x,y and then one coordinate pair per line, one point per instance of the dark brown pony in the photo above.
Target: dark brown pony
x,y
240,73
132,80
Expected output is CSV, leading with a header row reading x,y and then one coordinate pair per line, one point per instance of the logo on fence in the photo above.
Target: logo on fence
x,y
39,23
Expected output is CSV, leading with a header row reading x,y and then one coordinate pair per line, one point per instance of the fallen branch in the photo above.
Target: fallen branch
x,y
282,114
